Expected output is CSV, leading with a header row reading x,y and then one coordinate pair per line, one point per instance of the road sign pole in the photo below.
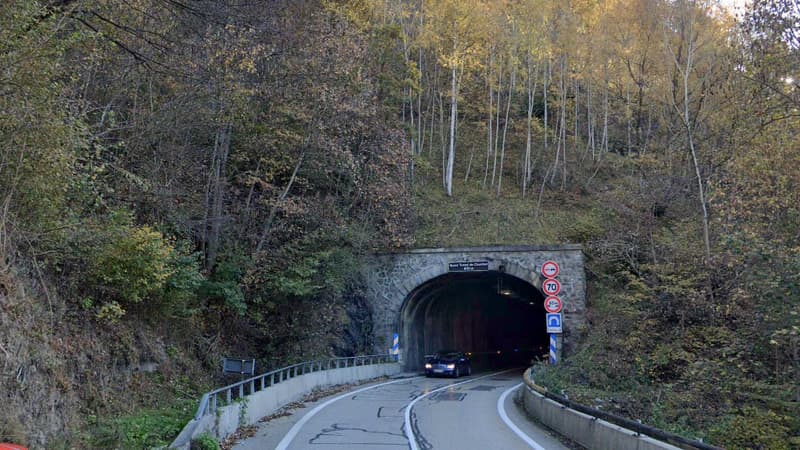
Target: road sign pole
x,y
553,349
396,346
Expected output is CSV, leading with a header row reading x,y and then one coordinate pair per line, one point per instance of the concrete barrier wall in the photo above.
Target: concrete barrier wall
x,y
264,403
586,430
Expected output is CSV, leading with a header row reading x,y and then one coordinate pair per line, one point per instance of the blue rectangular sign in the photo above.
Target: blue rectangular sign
x,y
554,323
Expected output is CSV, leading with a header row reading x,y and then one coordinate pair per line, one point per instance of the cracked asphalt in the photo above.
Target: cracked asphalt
x,y
461,417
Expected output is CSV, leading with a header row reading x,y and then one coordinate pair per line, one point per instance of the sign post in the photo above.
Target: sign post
x,y
396,346
553,305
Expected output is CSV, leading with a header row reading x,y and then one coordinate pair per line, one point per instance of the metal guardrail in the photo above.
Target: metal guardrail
x,y
225,395
637,427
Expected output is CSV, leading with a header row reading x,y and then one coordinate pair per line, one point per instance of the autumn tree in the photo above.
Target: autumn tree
x,y
453,31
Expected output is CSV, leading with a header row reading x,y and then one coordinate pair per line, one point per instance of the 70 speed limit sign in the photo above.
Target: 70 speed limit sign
x,y
551,287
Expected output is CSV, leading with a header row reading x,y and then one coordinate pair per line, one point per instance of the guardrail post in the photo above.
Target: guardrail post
x,y
214,404
241,390
228,396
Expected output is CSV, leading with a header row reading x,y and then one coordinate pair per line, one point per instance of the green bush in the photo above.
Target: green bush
x,y
753,428
223,286
205,442
127,264
131,263
146,429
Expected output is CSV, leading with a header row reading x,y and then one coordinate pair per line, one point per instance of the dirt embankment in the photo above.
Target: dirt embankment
x,y
60,369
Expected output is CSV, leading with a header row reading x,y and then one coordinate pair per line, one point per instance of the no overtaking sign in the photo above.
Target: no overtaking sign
x,y
550,269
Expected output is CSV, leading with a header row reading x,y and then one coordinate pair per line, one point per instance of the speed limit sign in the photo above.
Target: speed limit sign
x,y
551,287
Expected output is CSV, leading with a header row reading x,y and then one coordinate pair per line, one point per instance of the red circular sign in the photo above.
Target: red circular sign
x,y
553,304
550,269
551,287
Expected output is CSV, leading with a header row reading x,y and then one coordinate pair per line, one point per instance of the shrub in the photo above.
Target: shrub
x,y
205,442
126,264
131,263
145,429
753,429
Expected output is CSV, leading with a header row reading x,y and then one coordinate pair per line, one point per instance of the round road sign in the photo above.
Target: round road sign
x,y
550,269
553,304
551,287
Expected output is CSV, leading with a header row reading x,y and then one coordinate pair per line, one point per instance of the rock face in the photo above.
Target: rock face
x,y
394,282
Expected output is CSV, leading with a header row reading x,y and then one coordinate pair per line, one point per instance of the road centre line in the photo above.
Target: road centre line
x,y
502,411
284,443
408,429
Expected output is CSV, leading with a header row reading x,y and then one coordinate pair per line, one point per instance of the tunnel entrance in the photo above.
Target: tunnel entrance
x,y
498,318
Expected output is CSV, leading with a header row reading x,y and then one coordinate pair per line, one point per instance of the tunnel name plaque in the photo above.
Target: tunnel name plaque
x,y
468,266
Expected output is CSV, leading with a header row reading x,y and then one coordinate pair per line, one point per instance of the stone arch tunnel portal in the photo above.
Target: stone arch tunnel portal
x,y
496,317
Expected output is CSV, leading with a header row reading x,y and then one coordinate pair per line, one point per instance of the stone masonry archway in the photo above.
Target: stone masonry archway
x,y
480,298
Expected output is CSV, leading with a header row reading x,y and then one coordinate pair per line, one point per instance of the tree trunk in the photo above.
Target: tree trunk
x,y
544,94
217,185
265,232
684,113
505,131
497,125
489,127
527,166
452,150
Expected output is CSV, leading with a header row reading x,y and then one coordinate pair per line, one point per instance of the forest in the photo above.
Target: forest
x,y
182,180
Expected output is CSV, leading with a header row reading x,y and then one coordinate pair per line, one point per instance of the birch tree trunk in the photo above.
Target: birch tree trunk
x,y
685,69
511,81
497,125
489,127
452,151
527,166
544,94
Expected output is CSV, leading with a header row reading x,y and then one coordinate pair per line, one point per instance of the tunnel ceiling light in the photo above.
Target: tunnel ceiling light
x,y
506,292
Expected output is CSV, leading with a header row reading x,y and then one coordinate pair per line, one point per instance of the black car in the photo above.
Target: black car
x,y
447,362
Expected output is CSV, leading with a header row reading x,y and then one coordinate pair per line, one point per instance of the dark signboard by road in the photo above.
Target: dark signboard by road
x,y
239,366
468,266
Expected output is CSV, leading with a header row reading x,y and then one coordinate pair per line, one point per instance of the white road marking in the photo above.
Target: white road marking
x,y
409,431
284,443
502,411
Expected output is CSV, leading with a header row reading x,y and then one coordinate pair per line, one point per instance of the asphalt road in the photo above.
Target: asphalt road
x,y
444,413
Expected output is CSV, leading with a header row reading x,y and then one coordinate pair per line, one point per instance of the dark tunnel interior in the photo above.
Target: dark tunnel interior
x,y
495,317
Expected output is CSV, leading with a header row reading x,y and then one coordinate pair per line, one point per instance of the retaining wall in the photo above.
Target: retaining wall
x,y
584,429
264,403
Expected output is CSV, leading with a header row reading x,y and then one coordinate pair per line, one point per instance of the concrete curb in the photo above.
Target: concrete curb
x,y
592,431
